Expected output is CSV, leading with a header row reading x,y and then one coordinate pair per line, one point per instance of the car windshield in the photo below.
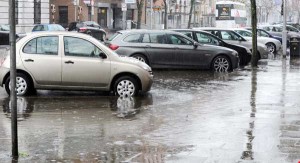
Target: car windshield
x,y
4,27
244,33
291,28
263,33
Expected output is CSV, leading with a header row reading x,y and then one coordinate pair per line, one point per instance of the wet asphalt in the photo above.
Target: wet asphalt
x,y
189,116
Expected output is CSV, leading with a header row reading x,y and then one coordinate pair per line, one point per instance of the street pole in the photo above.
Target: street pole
x,y
124,14
13,74
284,32
151,13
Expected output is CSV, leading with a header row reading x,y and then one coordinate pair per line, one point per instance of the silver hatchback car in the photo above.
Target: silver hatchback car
x,y
73,61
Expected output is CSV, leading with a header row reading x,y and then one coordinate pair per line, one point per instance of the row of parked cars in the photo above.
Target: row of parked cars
x,y
74,61
200,48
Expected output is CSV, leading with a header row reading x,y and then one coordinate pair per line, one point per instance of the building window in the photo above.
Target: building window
x,y
37,11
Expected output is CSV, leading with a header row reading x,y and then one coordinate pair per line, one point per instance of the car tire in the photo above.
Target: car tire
x,y
221,64
271,47
126,86
140,57
24,86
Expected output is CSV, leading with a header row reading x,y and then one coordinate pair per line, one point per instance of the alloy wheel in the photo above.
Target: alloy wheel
x,y
221,64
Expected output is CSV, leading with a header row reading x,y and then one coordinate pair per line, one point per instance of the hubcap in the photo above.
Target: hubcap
x,y
221,65
271,48
21,86
125,88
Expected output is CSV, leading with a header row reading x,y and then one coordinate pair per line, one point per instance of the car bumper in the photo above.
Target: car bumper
x,y
147,83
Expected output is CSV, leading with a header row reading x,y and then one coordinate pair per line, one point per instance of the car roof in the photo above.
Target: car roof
x,y
213,28
146,30
191,30
41,33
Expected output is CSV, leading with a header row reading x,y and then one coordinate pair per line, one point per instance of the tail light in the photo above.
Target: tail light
x,y
82,29
113,47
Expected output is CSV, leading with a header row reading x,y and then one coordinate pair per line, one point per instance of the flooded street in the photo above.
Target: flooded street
x,y
188,117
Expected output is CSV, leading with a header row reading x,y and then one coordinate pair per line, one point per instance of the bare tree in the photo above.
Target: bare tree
x,y
267,6
293,5
191,12
139,5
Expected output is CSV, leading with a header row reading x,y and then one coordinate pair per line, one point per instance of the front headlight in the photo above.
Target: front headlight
x,y
147,68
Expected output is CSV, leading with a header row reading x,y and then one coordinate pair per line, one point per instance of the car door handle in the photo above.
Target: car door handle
x,y
69,62
29,60
148,46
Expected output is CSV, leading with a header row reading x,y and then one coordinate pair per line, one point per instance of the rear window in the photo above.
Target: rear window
x,y
134,38
114,36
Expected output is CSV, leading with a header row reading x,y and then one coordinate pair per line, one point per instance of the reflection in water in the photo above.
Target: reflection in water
x,y
248,153
125,107
24,108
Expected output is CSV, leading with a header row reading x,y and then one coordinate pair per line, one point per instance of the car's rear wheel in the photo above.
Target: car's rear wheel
x,y
140,57
271,47
221,64
126,86
23,85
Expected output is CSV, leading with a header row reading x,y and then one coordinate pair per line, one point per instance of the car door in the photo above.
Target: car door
x,y
40,57
161,54
187,55
81,64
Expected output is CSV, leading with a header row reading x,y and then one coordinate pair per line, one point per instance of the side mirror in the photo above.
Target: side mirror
x,y
241,39
102,55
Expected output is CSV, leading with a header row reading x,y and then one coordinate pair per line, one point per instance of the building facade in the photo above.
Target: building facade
x,y
107,13
28,13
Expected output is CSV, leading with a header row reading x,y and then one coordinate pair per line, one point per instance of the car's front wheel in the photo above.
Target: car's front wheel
x,y
271,47
221,64
126,86
23,85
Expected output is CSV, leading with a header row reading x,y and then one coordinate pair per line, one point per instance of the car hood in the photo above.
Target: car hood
x,y
214,47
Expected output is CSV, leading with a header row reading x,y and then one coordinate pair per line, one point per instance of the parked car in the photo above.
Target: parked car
x,y
90,28
273,45
48,27
4,37
277,30
232,37
169,49
207,38
263,33
4,27
77,62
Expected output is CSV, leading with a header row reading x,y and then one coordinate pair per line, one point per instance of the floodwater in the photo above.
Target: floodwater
x,y
187,117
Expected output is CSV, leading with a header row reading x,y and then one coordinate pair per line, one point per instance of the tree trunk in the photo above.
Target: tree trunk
x,y
166,15
254,59
191,12
267,17
139,5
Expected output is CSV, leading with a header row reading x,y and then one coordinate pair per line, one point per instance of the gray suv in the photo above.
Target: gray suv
x,y
169,49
